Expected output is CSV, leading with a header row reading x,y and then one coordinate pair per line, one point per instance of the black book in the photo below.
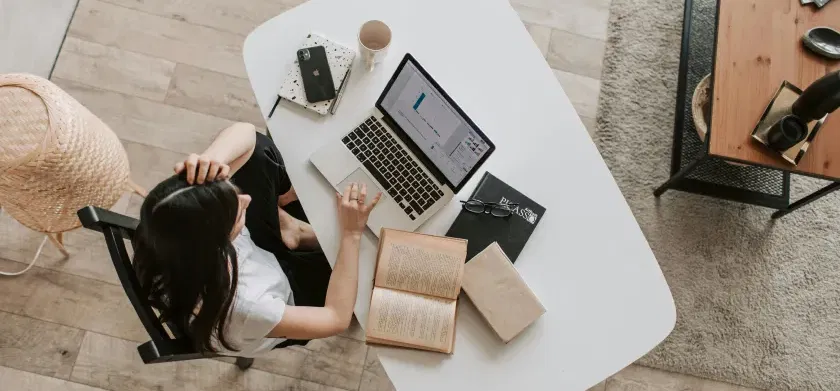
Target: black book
x,y
511,232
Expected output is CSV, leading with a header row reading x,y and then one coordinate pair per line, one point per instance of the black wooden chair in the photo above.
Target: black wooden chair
x,y
164,346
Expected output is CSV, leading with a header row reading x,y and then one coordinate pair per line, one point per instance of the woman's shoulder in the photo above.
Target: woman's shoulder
x,y
243,239
244,245
252,307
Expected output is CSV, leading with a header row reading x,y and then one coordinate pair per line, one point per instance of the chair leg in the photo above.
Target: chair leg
x,y
678,176
244,363
806,200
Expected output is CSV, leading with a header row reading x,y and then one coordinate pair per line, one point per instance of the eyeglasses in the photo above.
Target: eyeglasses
x,y
495,209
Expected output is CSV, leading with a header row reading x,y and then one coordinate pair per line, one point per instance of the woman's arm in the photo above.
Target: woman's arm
x,y
226,155
301,322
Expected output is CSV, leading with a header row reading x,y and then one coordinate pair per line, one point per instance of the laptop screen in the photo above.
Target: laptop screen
x,y
441,131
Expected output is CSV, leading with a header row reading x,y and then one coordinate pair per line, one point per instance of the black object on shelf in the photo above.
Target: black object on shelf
x,y
821,3
824,41
810,106
819,99
786,133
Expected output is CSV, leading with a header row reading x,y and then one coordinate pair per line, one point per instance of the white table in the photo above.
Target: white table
x,y
588,262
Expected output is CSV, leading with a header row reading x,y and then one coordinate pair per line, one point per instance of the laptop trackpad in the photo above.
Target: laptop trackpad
x,y
359,176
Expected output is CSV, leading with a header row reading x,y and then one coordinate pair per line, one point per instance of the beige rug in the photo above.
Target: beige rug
x,y
758,303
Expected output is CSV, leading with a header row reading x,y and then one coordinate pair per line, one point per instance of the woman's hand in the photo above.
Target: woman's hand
x,y
352,211
202,168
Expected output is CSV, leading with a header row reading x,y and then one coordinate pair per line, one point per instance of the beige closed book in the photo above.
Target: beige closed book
x,y
499,293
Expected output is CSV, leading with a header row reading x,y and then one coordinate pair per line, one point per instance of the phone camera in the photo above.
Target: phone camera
x,y
303,55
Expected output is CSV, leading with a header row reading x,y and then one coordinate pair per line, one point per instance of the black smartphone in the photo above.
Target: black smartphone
x,y
315,71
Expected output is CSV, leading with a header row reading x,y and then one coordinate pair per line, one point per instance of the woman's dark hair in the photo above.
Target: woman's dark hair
x,y
184,258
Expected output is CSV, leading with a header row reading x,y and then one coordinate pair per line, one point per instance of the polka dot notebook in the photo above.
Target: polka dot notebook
x,y
340,58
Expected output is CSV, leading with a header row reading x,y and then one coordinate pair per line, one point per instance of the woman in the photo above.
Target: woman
x,y
218,256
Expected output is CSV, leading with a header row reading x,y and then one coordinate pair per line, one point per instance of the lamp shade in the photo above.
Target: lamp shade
x,y
55,155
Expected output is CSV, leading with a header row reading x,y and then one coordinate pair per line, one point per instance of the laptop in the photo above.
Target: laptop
x,y
417,147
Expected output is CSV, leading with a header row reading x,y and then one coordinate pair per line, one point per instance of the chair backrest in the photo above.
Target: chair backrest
x,y
162,347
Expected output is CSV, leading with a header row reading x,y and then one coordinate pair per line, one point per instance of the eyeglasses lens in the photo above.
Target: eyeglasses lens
x,y
474,206
500,211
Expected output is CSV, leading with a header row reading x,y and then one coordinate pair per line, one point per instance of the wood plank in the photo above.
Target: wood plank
x,y
134,205
113,69
373,382
74,301
582,92
639,378
113,363
758,48
355,330
286,361
591,125
541,36
36,346
14,291
122,203
374,377
576,54
560,5
214,93
143,121
238,17
335,361
88,253
373,364
588,19
150,165
13,379
157,36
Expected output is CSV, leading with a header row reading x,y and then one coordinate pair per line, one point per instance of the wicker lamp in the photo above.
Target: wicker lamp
x,y
55,158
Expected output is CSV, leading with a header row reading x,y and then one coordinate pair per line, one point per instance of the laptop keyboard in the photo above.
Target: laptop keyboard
x,y
400,176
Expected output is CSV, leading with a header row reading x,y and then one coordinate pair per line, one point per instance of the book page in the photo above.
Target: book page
x,y
431,265
413,320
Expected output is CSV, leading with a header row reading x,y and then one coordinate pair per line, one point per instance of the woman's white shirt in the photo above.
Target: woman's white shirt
x,y
262,294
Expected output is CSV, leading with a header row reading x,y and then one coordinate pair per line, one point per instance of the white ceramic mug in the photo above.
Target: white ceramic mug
x,y
374,40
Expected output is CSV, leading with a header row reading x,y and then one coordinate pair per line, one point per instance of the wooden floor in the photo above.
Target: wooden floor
x,y
167,75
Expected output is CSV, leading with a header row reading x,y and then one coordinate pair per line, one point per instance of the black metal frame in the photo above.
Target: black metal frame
x,y
680,171
162,348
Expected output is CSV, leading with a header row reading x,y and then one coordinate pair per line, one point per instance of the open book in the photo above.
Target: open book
x,y
415,290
